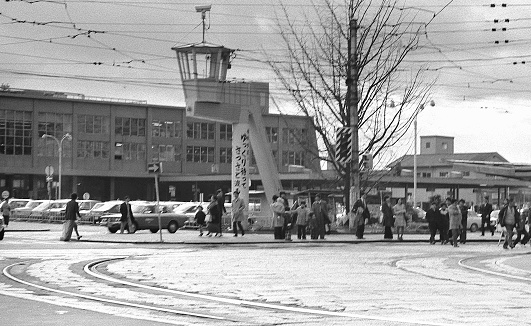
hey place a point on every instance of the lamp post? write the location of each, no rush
(421, 107)
(60, 146)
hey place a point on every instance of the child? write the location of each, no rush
(200, 219)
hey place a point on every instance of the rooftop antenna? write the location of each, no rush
(203, 9)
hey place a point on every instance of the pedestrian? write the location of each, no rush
(507, 218)
(220, 196)
(359, 220)
(434, 218)
(71, 213)
(277, 207)
(127, 218)
(286, 229)
(388, 219)
(520, 229)
(454, 214)
(215, 217)
(238, 208)
(200, 219)
(464, 220)
(399, 211)
(318, 222)
(303, 217)
(445, 223)
(486, 209)
(6, 210)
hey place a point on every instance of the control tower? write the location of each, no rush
(208, 95)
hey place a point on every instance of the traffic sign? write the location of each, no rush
(155, 167)
(5, 194)
(49, 179)
(48, 170)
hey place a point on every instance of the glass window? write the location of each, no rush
(225, 132)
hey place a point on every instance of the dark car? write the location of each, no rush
(146, 218)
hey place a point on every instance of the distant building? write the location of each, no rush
(436, 174)
(113, 140)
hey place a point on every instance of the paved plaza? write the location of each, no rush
(255, 280)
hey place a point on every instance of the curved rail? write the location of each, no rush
(90, 269)
(99, 299)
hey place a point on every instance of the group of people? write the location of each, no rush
(315, 218)
(212, 218)
(450, 220)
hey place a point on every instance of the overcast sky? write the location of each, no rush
(122, 49)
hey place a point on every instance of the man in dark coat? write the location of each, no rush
(464, 220)
(220, 198)
(388, 221)
(435, 222)
(127, 218)
(360, 230)
(485, 209)
(71, 214)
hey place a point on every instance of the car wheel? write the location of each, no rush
(154, 230)
(113, 229)
(2, 234)
(473, 227)
(172, 227)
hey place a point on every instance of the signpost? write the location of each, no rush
(156, 168)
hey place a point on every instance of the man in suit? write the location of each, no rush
(127, 218)
(485, 210)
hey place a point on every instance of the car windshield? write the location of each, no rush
(43, 206)
(33, 204)
(108, 207)
(186, 208)
(58, 205)
(85, 205)
(143, 208)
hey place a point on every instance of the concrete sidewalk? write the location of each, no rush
(92, 233)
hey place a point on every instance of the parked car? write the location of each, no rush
(98, 213)
(17, 203)
(24, 212)
(40, 212)
(58, 209)
(473, 221)
(146, 218)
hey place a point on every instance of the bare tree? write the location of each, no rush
(313, 70)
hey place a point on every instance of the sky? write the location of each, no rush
(122, 49)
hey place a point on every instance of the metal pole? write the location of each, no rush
(415, 164)
(353, 109)
(60, 163)
(158, 203)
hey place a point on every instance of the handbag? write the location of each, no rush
(208, 218)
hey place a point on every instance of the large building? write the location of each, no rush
(113, 141)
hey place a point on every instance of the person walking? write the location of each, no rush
(434, 218)
(6, 210)
(200, 219)
(445, 223)
(486, 209)
(303, 217)
(454, 214)
(399, 211)
(127, 218)
(286, 229)
(464, 221)
(520, 230)
(361, 213)
(318, 230)
(71, 213)
(215, 217)
(238, 207)
(388, 219)
(277, 207)
(220, 197)
(507, 218)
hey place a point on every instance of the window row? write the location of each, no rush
(129, 151)
(92, 149)
(166, 129)
(93, 124)
(15, 132)
(130, 126)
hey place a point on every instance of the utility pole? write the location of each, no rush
(352, 114)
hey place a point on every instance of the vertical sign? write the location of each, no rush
(241, 146)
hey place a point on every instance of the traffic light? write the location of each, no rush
(343, 150)
(366, 161)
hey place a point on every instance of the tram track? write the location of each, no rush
(287, 313)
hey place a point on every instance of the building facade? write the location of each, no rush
(114, 140)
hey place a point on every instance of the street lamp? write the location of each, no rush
(420, 108)
(60, 146)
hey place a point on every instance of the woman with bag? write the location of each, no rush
(400, 218)
(215, 217)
